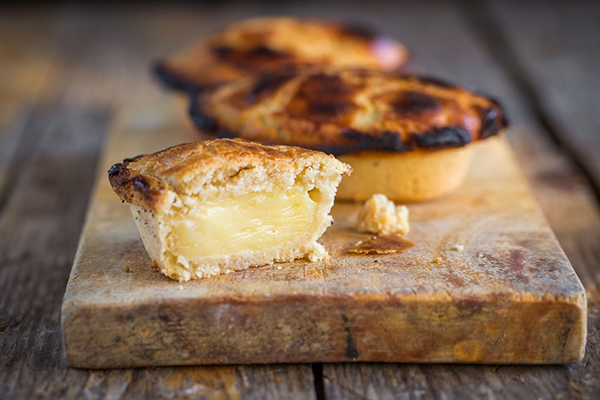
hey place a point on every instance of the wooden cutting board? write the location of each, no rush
(510, 296)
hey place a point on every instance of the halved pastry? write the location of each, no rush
(406, 137)
(266, 44)
(212, 207)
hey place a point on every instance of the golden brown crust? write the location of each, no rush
(348, 110)
(266, 44)
(135, 188)
(145, 180)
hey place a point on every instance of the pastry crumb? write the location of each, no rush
(457, 247)
(380, 215)
(318, 254)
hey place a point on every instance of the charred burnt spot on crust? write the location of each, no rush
(323, 98)
(321, 84)
(268, 53)
(222, 52)
(490, 124)
(493, 119)
(441, 138)
(115, 170)
(329, 110)
(386, 141)
(141, 185)
(266, 85)
(203, 121)
(118, 174)
(359, 30)
(357, 141)
(436, 81)
(390, 141)
(414, 103)
(254, 58)
(132, 159)
(232, 54)
(502, 118)
(173, 80)
(121, 178)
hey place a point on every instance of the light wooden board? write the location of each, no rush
(510, 296)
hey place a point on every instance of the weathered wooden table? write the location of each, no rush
(67, 72)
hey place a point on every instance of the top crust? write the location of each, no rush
(267, 44)
(205, 168)
(347, 110)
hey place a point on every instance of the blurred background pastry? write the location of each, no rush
(405, 136)
(271, 43)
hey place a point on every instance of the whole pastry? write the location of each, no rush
(267, 44)
(407, 137)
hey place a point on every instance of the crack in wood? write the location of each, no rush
(351, 350)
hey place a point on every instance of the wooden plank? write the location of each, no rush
(10, 135)
(224, 382)
(30, 37)
(350, 307)
(554, 50)
(25, 61)
(39, 226)
(103, 61)
(442, 44)
(558, 188)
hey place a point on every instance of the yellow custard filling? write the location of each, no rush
(257, 221)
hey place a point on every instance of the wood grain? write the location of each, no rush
(95, 60)
(555, 53)
(451, 49)
(27, 58)
(109, 69)
(25, 62)
(39, 226)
